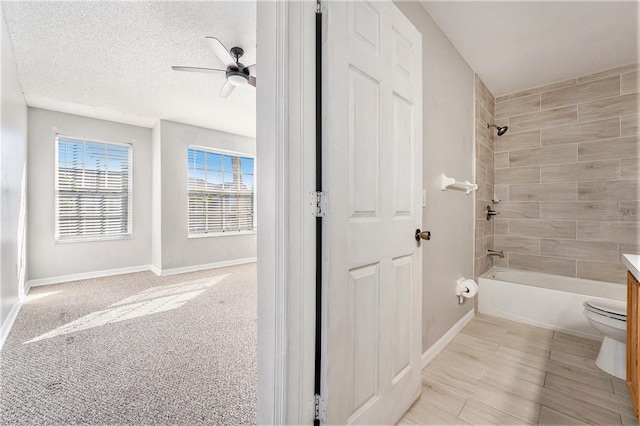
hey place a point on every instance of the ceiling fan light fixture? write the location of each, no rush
(237, 80)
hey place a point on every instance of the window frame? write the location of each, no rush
(224, 152)
(92, 238)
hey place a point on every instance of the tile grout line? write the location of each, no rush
(466, 401)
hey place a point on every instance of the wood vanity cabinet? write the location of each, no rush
(633, 340)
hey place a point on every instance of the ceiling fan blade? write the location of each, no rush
(252, 80)
(226, 89)
(222, 52)
(196, 69)
(252, 70)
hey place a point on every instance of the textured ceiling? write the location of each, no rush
(517, 45)
(112, 59)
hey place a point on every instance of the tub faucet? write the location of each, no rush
(498, 253)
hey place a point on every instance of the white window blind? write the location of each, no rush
(93, 189)
(221, 192)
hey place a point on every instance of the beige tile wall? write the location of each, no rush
(568, 174)
(484, 176)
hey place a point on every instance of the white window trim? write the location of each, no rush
(92, 238)
(254, 228)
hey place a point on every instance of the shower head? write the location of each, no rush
(501, 130)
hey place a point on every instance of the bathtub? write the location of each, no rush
(549, 301)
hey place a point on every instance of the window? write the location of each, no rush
(221, 189)
(93, 189)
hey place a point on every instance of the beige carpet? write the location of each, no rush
(135, 349)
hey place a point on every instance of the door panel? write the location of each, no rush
(402, 327)
(372, 109)
(365, 26)
(403, 150)
(365, 327)
(364, 145)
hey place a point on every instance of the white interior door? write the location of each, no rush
(372, 139)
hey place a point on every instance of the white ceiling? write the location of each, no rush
(517, 45)
(112, 59)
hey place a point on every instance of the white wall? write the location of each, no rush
(179, 251)
(448, 147)
(49, 259)
(13, 156)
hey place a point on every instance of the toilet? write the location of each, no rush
(610, 318)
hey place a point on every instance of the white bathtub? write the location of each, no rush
(550, 301)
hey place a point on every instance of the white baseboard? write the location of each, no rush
(8, 323)
(437, 347)
(141, 268)
(155, 270)
(194, 268)
(86, 275)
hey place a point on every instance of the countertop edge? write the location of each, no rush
(632, 262)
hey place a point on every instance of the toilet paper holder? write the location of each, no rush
(465, 289)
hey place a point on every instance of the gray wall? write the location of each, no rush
(13, 156)
(448, 123)
(178, 251)
(160, 200)
(156, 199)
(48, 258)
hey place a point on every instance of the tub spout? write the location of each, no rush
(498, 253)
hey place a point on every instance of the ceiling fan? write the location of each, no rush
(237, 73)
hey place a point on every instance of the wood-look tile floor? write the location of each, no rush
(500, 372)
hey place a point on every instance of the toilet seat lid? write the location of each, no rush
(612, 308)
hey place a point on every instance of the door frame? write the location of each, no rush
(286, 238)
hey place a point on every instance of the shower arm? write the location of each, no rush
(501, 130)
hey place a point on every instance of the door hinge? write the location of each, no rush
(319, 203)
(321, 409)
(318, 7)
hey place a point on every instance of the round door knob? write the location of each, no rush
(426, 235)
